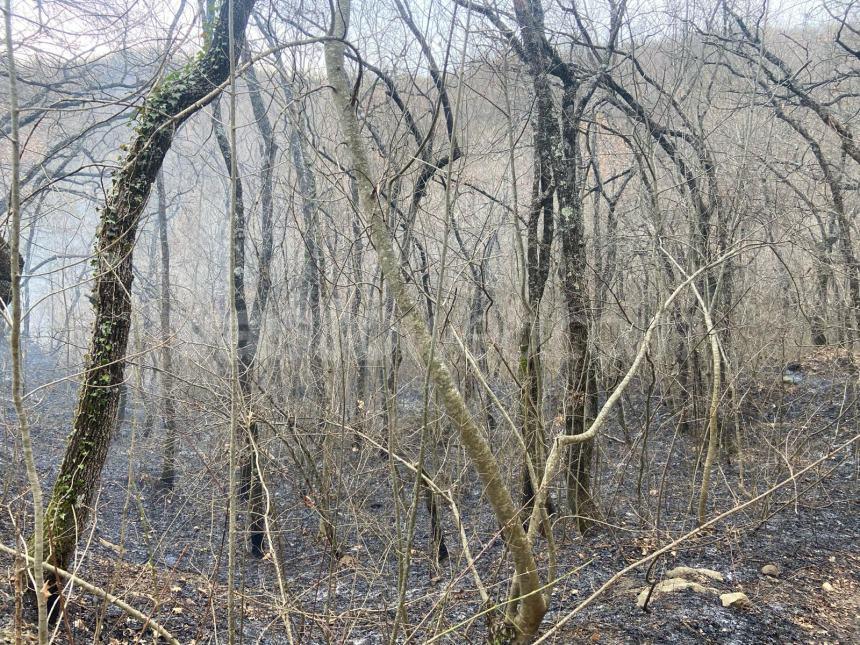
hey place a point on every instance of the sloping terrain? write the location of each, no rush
(166, 554)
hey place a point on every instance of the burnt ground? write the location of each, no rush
(165, 554)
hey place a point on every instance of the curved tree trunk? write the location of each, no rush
(532, 605)
(176, 98)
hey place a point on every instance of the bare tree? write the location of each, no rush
(171, 103)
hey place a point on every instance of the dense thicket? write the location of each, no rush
(536, 274)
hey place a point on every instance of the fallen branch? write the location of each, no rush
(101, 593)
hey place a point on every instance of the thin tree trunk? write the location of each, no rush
(360, 337)
(246, 345)
(238, 406)
(818, 323)
(538, 249)
(168, 468)
(256, 501)
(532, 605)
(15, 341)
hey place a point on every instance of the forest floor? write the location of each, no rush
(165, 554)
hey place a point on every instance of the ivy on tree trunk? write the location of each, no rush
(179, 95)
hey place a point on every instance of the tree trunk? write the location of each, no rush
(538, 249)
(13, 266)
(253, 474)
(532, 605)
(6, 273)
(818, 322)
(168, 468)
(247, 340)
(557, 151)
(177, 97)
(582, 369)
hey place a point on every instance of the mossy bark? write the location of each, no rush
(178, 96)
(6, 272)
(557, 151)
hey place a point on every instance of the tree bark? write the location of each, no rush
(582, 367)
(269, 149)
(538, 248)
(168, 468)
(532, 605)
(171, 102)
(6, 272)
(557, 152)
